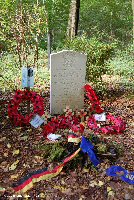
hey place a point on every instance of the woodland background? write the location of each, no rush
(31, 29)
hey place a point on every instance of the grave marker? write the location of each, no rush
(27, 77)
(68, 71)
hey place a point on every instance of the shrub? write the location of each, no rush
(123, 65)
(97, 54)
(10, 71)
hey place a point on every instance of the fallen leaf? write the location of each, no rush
(82, 197)
(67, 191)
(14, 165)
(62, 181)
(2, 189)
(111, 193)
(16, 152)
(14, 176)
(3, 164)
(24, 137)
(42, 195)
(61, 188)
(93, 183)
(131, 187)
(85, 170)
(9, 145)
(84, 187)
(18, 128)
(109, 189)
(132, 136)
(38, 159)
(5, 154)
(100, 183)
(2, 139)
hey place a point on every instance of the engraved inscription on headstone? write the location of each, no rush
(68, 71)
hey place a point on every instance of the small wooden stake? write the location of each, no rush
(28, 103)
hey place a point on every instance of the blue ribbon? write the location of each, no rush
(127, 177)
(87, 147)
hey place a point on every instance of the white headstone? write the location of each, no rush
(68, 71)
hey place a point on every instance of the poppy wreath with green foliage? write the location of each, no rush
(117, 127)
(20, 96)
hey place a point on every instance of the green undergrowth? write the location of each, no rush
(103, 59)
(122, 65)
(57, 152)
(11, 74)
(98, 53)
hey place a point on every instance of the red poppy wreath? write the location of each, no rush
(63, 122)
(20, 96)
(118, 124)
(94, 100)
(117, 128)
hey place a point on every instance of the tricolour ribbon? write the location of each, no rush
(27, 182)
(74, 138)
(87, 147)
(124, 175)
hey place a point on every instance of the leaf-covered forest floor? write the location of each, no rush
(73, 183)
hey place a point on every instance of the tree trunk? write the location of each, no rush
(49, 38)
(73, 19)
(133, 18)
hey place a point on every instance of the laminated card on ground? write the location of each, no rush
(36, 121)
